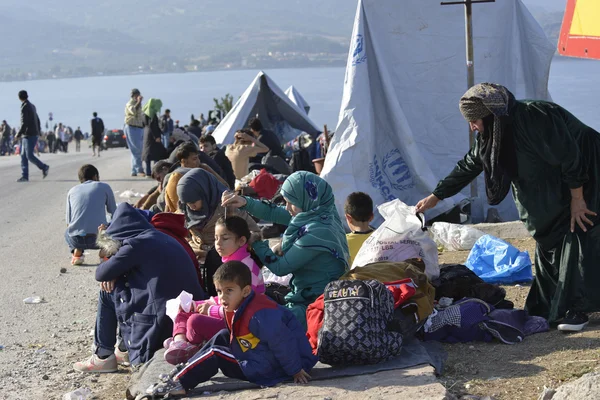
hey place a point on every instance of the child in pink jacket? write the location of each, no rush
(192, 329)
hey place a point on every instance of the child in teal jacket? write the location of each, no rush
(314, 246)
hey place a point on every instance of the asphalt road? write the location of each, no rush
(39, 342)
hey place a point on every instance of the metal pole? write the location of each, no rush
(470, 74)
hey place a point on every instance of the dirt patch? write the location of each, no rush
(520, 371)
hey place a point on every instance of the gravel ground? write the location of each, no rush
(41, 341)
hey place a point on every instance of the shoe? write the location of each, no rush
(179, 352)
(95, 364)
(166, 388)
(167, 343)
(141, 174)
(122, 357)
(573, 322)
(45, 171)
(133, 174)
(77, 260)
(22, 179)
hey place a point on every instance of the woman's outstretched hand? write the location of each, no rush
(229, 199)
(427, 203)
(579, 213)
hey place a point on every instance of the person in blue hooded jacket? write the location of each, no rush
(264, 343)
(143, 268)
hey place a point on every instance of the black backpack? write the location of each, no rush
(355, 324)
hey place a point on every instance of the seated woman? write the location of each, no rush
(314, 244)
(199, 193)
(143, 269)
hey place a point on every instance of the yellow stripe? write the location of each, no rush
(586, 19)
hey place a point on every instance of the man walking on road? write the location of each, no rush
(29, 132)
(97, 132)
(5, 133)
(78, 136)
(134, 131)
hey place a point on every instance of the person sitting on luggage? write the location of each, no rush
(359, 214)
(264, 343)
(314, 246)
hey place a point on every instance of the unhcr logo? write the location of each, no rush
(390, 175)
(358, 55)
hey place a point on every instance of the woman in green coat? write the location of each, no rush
(314, 246)
(552, 162)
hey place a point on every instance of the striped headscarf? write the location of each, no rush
(491, 100)
(318, 226)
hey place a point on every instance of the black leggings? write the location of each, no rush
(211, 263)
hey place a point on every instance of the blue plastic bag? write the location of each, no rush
(496, 261)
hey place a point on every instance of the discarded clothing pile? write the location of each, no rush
(475, 320)
(456, 281)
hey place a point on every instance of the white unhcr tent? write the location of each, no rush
(400, 130)
(274, 109)
(294, 95)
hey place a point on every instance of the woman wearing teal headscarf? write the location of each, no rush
(153, 149)
(314, 246)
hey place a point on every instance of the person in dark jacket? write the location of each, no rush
(208, 145)
(195, 129)
(97, 133)
(264, 343)
(29, 132)
(6, 136)
(166, 124)
(153, 148)
(266, 137)
(552, 162)
(78, 136)
(143, 268)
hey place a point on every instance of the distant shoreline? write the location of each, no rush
(340, 65)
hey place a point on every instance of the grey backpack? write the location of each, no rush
(355, 324)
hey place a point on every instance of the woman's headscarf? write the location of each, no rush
(152, 107)
(197, 184)
(495, 101)
(318, 226)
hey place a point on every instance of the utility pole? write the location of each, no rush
(476, 205)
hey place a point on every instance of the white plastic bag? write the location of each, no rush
(400, 237)
(185, 300)
(455, 237)
(270, 277)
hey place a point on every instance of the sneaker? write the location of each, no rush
(166, 388)
(179, 352)
(77, 260)
(122, 357)
(45, 171)
(95, 364)
(573, 322)
(167, 343)
(141, 174)
(22, 179)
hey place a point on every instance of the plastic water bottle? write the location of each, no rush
(79, 394)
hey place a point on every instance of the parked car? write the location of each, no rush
(114, 138)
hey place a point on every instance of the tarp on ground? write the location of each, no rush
(276, 111)
(294, 95)
(400, 129)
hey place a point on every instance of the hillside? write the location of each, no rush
(74, 38)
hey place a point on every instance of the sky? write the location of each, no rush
(550, 5)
